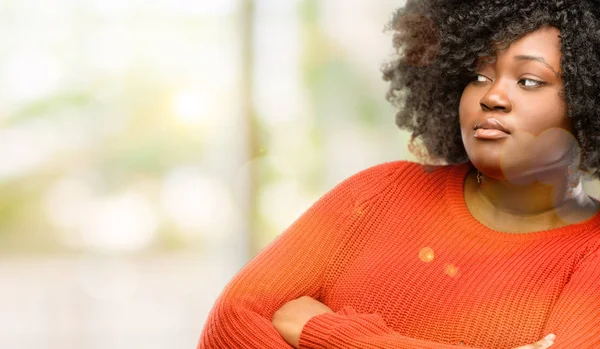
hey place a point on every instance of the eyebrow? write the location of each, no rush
(537, 59)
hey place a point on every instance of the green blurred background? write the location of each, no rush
(148, 149)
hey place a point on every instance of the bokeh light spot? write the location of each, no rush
(451, 270)
(426, 254)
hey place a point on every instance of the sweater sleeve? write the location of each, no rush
(575, 318)
(349, 329)
(293, 265)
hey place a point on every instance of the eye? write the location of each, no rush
(478, 78)
(531, 83)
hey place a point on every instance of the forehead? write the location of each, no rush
(544, 42)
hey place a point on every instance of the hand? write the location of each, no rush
(541, 344)
(293, 315)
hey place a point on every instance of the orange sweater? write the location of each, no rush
(394, 251)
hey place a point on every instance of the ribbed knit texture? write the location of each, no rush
(395, 252)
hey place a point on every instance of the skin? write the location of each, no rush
(293, 315)
(524, 187)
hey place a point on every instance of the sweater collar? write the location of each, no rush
(454, 195)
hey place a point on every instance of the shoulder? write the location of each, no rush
(592, 249)
(383, 174)
(396, 175)
(388, 169)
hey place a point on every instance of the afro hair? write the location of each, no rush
(439, 42)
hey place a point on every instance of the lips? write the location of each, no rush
(490, 129)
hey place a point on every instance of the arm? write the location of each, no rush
(293, 316)
(575, 318)
(293, 265)
(349, 329)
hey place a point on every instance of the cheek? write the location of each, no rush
(469, 103)
(467, 110)
(537, 116)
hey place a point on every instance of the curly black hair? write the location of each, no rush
(438, 44)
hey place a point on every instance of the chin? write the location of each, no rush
(501, 160)
(488, 161)
(489, 168)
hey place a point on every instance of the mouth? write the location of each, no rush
(490, 129)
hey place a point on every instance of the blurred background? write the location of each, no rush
(150, 148)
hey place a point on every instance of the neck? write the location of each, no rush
(532, 199)
(505, 206)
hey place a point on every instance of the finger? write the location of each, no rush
(547, 341)
(541, 344)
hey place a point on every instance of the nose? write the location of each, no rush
(496, 98)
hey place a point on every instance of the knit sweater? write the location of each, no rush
(397, 255)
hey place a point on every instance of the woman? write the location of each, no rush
(497, 249)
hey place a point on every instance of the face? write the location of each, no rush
(513, 120)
